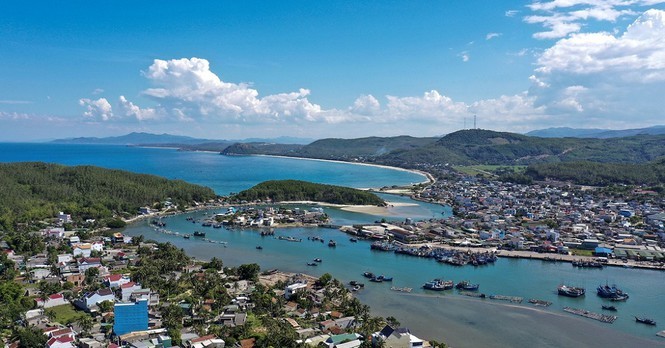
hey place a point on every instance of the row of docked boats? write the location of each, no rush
(377, 278)
(450, 256)
(587, 264)
(441, 284)
(605, 291)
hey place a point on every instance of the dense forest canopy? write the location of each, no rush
(295, 190)
(600, 174)
(33, 191)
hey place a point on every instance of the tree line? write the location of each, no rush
(296, 190)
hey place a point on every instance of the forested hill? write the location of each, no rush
(295, 190)
(32, 191)
(469, 147)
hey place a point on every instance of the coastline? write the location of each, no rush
(429, 177)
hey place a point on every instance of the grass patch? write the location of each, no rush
(489, 170)
(65, 314)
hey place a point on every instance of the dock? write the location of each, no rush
(603, 318)
(472, 294)
(514, 299)
(541, 303)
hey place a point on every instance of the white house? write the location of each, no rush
(116, 280)
(88, 262)
(65, 218)
(65, 258)
(397, 338)
(91, 299)
(293, 289)
(82, 249)
(97, 246)
(52, 301)
(127, 289)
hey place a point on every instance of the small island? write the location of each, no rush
(296, 190)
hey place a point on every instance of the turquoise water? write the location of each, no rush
(461, 321)
(224, 174)
(524, 278)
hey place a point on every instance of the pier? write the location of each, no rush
(514, 299)
(603, 318)
(540, 303)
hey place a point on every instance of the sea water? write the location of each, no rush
(460, 321)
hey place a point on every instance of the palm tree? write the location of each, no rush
(85, 323)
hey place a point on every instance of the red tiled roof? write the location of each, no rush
(127, 285)
(55, 297)
(63, 339)
(114, 277)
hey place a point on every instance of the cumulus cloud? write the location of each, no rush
(97, 110)
(366, 105)
(639, 53)
(563, 17)
(188, 88)
(601, 76)
(128, 109)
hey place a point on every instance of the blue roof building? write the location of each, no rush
(130, 317)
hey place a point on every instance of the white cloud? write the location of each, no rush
(128, 109)
(490, 36)
(561, 18)
(464, 55)
(97, 91)
(187, 88)
(612, 78)
(638, 54)
(366, 105)
(97, 110)
(511, 13)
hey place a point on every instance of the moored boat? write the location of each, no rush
(368, 275)
(332, 243)
(611, 292)
(312, 264)
(466, 285)
(318, 260)
(645, 320)
(609, 308)
(353, 240)
(187, 236)
(199, 234)
(570, 291)
(438, 285)
(258, 247)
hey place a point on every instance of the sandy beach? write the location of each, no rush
(429, 179)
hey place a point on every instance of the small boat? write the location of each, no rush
(318, 260)
(312, 264)
(376, 280)
(199, 234)
(187, 236)
(258, 247)
(332, 243)
(466, 285)
(609, 308)
(368, 275)
(570, 291)
(384, 278)
(353, 240)
(645, 320)
(439, 285)
(356, 288)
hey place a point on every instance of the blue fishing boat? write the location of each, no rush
(611, 292)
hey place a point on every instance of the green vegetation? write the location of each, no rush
(295, 190)
(65, 314)
(471, 147)
(490, 170)
(600, 174)
(34, 191)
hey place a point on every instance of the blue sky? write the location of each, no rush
(228, 70)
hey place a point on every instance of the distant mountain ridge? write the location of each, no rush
(565, 132)
(143, 138)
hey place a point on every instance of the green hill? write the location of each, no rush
(296, 190)
(32, 191)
